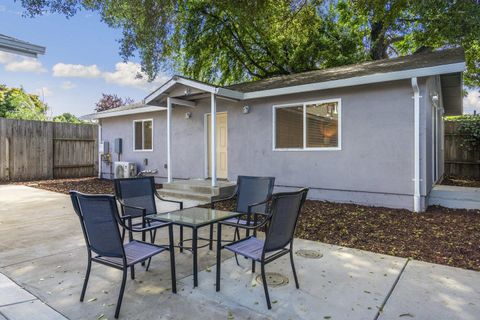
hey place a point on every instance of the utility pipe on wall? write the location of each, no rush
(416, 179)
(100, 163)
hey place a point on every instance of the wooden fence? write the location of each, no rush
(459, 161)
(35, 150)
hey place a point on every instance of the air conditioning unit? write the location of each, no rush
(125, 169)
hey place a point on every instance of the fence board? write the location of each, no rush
(34, 150)
(459, 161)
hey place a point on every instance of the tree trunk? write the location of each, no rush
(378, 49)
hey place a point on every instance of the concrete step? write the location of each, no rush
(201, 187)
(185, 194)
(455, 197)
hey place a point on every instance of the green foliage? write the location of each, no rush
(224, 41)
(15, 103)
(111, 101)
(67, 117)
(469, 127)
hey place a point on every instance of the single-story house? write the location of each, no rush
(370, 133)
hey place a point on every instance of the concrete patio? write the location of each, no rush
(43, 259)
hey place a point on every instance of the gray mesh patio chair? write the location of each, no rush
(100, 220)
(252, 194)
(137, 200)
(281, 221)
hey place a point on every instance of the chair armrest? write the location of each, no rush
(216, 199)
(180, 203)
(123, 204)
(242, 226)
(250, 206)
(127, 217)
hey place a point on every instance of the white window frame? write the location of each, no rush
(304, 104)
(143, 135)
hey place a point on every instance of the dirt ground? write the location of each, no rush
(461, 182)
(440, 235)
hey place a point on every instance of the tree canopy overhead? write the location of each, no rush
(224, 41)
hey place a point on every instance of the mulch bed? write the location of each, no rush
(86, 185)
(440, 235)
(461, 182)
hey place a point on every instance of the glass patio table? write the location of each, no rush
(195, 218)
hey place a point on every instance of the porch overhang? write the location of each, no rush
(183, 89)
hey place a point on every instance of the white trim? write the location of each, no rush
(193, 84)
(110, 114)
(182, 102)
(169, 140)
(143, 135)
(416, 161)
(213, 132)
(99, 153)
(349, 82)
(303, 104)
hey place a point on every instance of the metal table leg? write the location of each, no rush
(194, 251)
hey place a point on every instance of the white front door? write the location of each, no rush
(222, 145)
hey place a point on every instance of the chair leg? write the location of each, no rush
(85, 282)
(181, 238)
(264, 280)
(219, 256)
(236, 235)
(132, 272)
(120, 295)
(253, 266)
(293, 269)
(210, 244)
(153, 235)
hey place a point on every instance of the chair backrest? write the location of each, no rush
(137, 192)
(285, 209)
(99, 220)
(251, 190)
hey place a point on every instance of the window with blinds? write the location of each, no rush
(307, 126)
(143, 135)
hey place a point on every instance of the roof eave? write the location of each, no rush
(111, 114)
(354, 81)
(20, 47)
(193, 84)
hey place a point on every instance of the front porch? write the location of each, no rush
(202, 99)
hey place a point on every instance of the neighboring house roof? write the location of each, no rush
(122, 111)
(411, 62)
(13, 45)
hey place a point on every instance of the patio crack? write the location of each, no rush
(380, 310)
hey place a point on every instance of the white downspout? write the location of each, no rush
(416, 179)
(99, 153)
(169, 140)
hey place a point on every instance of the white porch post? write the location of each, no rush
(169, 139)
(213, 134)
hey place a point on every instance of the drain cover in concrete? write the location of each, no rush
(274, 279)
(309, 254)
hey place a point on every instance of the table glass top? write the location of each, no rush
(194, 216)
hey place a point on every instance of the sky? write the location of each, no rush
(81, 62)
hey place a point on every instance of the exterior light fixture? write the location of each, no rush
(246, 109)
(188, 115)
(188, 91)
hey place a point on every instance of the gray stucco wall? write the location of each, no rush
(374, 167)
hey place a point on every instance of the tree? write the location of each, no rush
(224, 41)
(111, 101)
(67, 117)
(15, 103)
